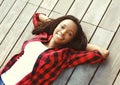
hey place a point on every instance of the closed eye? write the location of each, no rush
(70, 33)
(62, 27)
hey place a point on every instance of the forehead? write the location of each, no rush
(69, 23)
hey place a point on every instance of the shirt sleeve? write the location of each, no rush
(82, 57)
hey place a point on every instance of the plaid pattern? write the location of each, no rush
(52, 62)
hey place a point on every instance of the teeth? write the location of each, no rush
(59, 35)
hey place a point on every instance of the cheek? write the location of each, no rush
(56, 30)
(68, 39)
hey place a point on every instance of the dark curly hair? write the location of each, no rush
(78, 43)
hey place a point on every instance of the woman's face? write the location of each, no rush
(64, 32)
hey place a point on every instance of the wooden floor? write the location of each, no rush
(100, 20)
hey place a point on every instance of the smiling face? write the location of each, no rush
(64, 32)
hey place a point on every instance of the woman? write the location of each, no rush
(58, 44)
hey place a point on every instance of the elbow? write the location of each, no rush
(105, 54)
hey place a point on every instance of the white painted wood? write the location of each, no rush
(49, 4)
(63, 78)
(42, 10)
(10, 19)
(112, 17)
(79, 8)
(96, 11)
(1, 1)
(82, 75)
(5, 7)
(117, 82)
(55, 15)
(108, 71)
(35, 2)
(63, 6)
(88, 29)
(102, 36)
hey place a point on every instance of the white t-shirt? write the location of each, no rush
(25, 64)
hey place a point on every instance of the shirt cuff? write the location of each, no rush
(98, 58)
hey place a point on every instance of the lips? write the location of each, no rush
(59, 35)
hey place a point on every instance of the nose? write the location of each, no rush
(63, 31)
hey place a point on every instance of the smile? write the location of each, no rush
(59, 35)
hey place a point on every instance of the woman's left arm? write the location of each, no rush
(82, 57)
(104, 52)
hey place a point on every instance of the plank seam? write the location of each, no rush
(7, 34)
(8, 11)
(1, 2)
(70, 7)
(86, 10)
(91, 38)
(97, 26)
(116, 77)
(13, 23)
(53, 8)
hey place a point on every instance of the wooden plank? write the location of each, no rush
(42, 10)
(11, 18)
(79, 8)
(117, 82)
(25, 36)
(16, 31)
(4, 8)
(82, 75)
(35, 2)
(112, 17)
(55, 15)
(63, 77)
(102, 36)
(88, 29)
(1, 1)
(63, 6)
(96, 11)
(49, 4)
(108, 71)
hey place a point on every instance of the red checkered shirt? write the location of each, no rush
(52, 62)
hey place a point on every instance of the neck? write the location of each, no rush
(52, 44)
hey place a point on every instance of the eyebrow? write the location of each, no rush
(65, 26)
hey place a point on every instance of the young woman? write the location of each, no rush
(58, 44)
